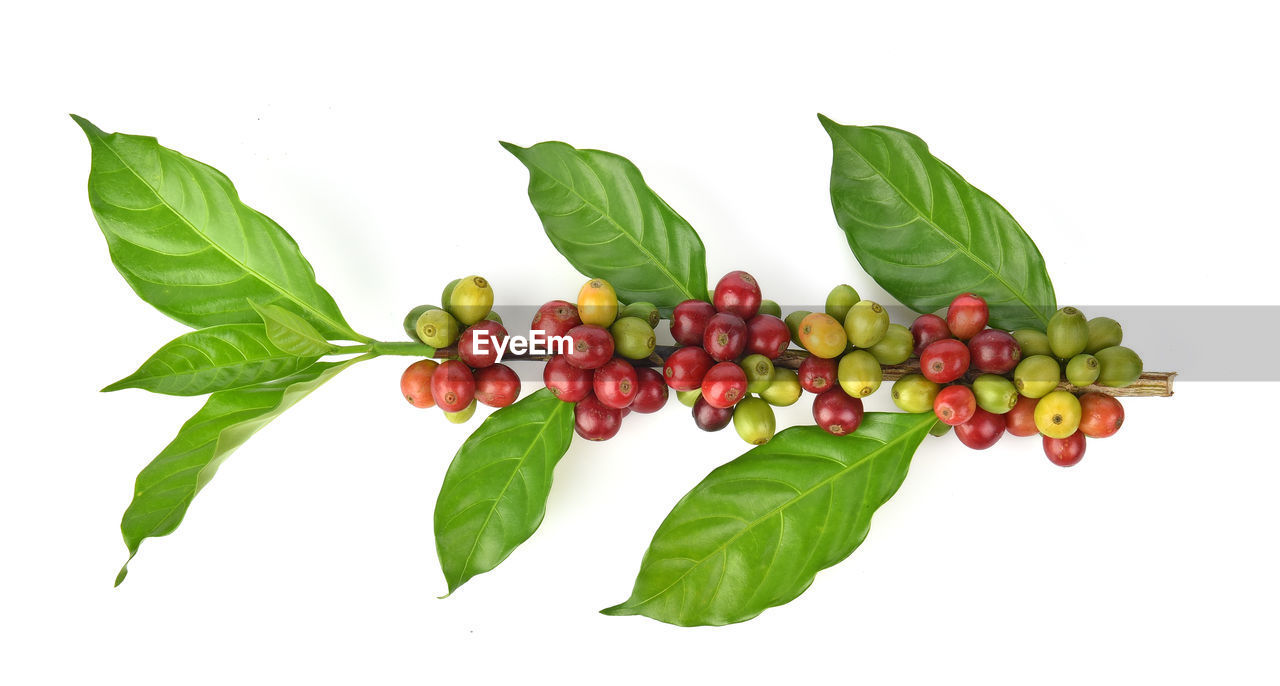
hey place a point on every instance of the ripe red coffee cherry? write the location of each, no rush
(615, 383)
(982, 430)
(689, 321)
(555, 318)
(837, 412)
(415, 383)
(944, 361)
(994, 351)
(651, 391)
(725, 337)
(767, 335)
(738, 293)
(926, 329)
(592, 346)
(497, 386)
(686, 367)
(818, 374)
(478, 345)
(453, 386)
(595, 421)
(1100, 415)
(1021, 420)
(955, 405)
(1065, 452)
(724, 385)
(967, 315)
(708, 417)
(567, 382)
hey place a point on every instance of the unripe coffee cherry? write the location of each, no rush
(555, 318)
(859, 373)
(497, 386)
(411, 321)
(597, 303)
(926, 329)
(567, 382)
(461, 416)
(689, 321)
(1118, 366)
(615, 383)
(737, 293)
(818, 374)
(967, 315)
(1032, 342)
(955, 405)
(725, 337)
(1021, 420)
(453, 386)
(759, 371)
(1104, 332)
(895, 347)
(793, 324)
(415, 383)
(837, 412)
(770, 308)
(914, 393)
(493, 317)
(471, 351)
(447, 293)
(595, 421)
(1058, 414)
(753, 419)
(724, 385)
(633, 338)
(823, 336)
(688, 398)
(865, 324)
(644, 311)
(994, 351)
(1068, 333)
(1082, 369)
(944, 361)
(1065, 452)
(1037, 375)
(686, 367)
(840, 300)
(470, 300)
(767, 335)
(784, 389)
(1100, 415)
(995, 393)
(982, 431)
(592, 346)
(437, 328)
(651, 391)
(709, 417)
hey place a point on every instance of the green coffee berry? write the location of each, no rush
(895, 347)
(688, 398)
(1104, 332)
(448, 292)
(793, 324)
(759, 371)
(1082, 369)
(493, 317)
(770, 307)
(1068, 333)
(461, 416)
(437, 328)
(859, 373)
(840, 300)
(1118, 366)
(470, 300)
(866, 324)
(753, 420)
(784, 390)
(994, 393)
(632, 338)
(940, 429)
(1057, 415)
(914, 393)
(642, 310)
(411, 320)
(1032, 342)
(1037, 375)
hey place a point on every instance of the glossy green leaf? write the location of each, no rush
(925, 235)
(755, 531)
(165, 487)
(182, 239)
(291, 333)
(214, 359)
(600, 214)
(495, 492)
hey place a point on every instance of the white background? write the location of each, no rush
(1137, 145)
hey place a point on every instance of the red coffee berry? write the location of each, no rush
(686, 367)
(967, 315)
(415, 383)
(453, 386)
(497, 386)
(555, 318)
(1100, 415)
(478, 345)
(592, 346)
(926, 329)
(817, 374)
(567, 382)
(982, 430)
(944, 361)
(837, 412)
(689, 321)
(994, 351)
(595, 421)
(1021, 420)
(651, 391)
(725, 337)
(737, 293)
(1065, 452)
(767, 335)
(709, 417)
(955, 405)
(615, 383)
(724, 385)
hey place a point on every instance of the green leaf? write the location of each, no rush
(601, 216)
(754, 533)
(166, 486)
(291, 333)
(925, 235)
(182, 239)
(495, 492)
(214, 359)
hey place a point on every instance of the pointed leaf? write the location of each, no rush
(291, 333)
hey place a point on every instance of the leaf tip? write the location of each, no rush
(86, 125)
(619, 610)
(124, 571)
(827, 122)
(511, 148)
